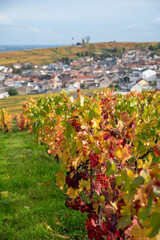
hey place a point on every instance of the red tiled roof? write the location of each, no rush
(84, 77)
(9, 79)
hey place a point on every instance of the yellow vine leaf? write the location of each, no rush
(145, 174)
(141, 234)
(64, 158)
(130, 173)
(84, 183)
(59, 152)
(139, 163)
(60, 179)
(96, 123)
(123, 154)
(4, 193)
(73, 193)
(75, 112)
(77, 160)
(114, 205)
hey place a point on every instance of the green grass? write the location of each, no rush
(31, 205)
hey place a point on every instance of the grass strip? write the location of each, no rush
(31, 205)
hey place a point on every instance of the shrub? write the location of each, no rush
(13, 92)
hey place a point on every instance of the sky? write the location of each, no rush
(54, 22)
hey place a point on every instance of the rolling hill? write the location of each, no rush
(50, 55)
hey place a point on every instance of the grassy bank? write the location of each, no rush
(31, 205)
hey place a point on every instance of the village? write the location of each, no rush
(135, 70)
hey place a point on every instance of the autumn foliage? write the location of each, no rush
(5, 121)
(108, 146)
(23, 122)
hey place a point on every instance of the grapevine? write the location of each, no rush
(5, 121)
(109, 150)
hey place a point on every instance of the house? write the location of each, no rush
(114, 77)
(2, 68)
(43, 67)
(32, 92)
(79, 44)
(48, 85)
(17, 65)
(134, 76)
(156, 57)
(2, 77)
(26, 72)
(3, 94)
(22, 90)
(7, 70)
(88, 59)
(111, 61)
(83, 79)
(101, 70)
(158, 83)
(57, 82)
(17, 84)
(9, 82)
(105, 82)
(141, 85)
(91, 84)
(148, 74)
(73, 86)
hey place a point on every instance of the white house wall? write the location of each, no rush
(149, 75)
(3, 95)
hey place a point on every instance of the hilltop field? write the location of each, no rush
(50, 55)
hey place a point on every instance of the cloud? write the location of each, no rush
(38, 31)
(19, 29)
(158, 20)
(143, 27)
(34, 29)
(135, 26)
(4, 20)
(47, 31)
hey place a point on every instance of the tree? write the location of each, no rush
(12, 92)
(82, 85)
(83, 41)
(87, 39)
(19, 70)
(151, 48)
(82, 54)
(126, 79)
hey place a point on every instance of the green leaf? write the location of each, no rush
(91, 114)
(124, 222)
(128, 198)
(73, 149)
(155, 224)
(137, 182)
(149, 207)
(68, 132)
(119, 180)
(145, 212)
(47, 108)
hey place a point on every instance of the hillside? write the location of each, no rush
(50, 55)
